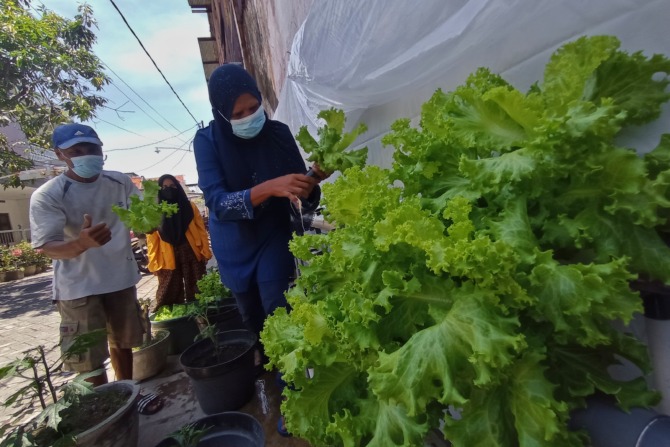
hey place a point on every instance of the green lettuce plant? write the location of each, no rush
(169, 312)
(476, 282)
(330, 152)
(211, 290)
(145, 213)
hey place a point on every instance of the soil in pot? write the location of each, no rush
(223, 377)
(90, 411)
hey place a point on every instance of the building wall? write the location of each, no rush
(258, 34)
(284, 19)
(18, 210)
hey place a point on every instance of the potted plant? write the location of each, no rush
(149, 359)
(473, 286)
(74, 413)
(179, 321)
(215, 304)
(218, 430)
(26, 257)
(42, 260)
(13, 273)
(221, 368)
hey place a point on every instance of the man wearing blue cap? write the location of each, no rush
(95, 272)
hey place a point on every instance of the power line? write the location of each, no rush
(149, 144)
(139, 96)
(177, 164)
(131, 100)
(138, 106)
(119, 127)
(152, 60)
(159, 162)
(168, 156)
(190, 147)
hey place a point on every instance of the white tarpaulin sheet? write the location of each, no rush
(379, 60)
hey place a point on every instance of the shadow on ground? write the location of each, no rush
(28, 295)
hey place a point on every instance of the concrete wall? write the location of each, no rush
(258, 33)
(18, 212)
(284, 18)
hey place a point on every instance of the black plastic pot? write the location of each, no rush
(225, 384)
(225, 316)
(608, 425)
(231, 429)
(183, 331)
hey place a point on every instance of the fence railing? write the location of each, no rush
(11, 237)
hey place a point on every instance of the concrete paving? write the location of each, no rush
(28, 319)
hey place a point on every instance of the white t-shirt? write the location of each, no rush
(57, 211)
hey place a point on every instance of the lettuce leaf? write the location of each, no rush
(330, 151)
(475, 281)
(146, 213)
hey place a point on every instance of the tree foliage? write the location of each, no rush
(49, 74)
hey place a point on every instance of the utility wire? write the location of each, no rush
(132, 90)
(152, 60)
(119, 127)
(157, 163)
(170, 155)
(139, 96)
(149, 144)
(190, 145)
(182, 157)
(138, 106)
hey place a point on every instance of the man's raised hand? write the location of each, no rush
(94, 235)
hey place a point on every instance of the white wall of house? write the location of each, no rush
(18, 212)
(15, 202)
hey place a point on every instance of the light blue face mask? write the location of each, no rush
(87, 166)
(249, 126)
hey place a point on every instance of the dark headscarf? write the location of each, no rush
(226, 84)
(248, 162)
(173, 228)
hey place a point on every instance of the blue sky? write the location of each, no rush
(169, 31)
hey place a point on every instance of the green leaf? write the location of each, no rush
(330, 152)
(483, 271)
(145, 214)
(51, 414)
(570, 74)
(50, 74)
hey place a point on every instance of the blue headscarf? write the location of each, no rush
(248, 162)
(226, 84)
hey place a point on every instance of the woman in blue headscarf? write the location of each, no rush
(253, 178)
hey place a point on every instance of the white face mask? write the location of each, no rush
(87, 166)
(249, 126)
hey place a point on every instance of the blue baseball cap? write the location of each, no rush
(67, 135)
